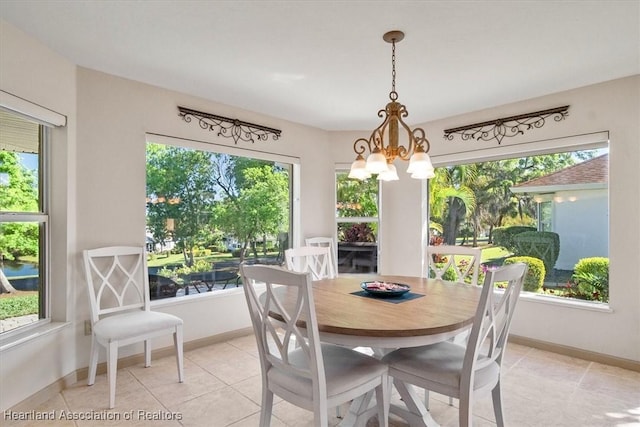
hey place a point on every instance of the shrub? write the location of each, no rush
(359, 233)
(236, 253)
(449, 274)
(503, 236)
(535, 274)
(18, 305)
(544, 245)
(592, 278)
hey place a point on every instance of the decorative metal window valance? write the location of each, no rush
(230, 128)
(506, 126)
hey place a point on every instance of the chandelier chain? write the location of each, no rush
(393, 95)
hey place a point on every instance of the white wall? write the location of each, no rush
(114, 115)
(582, 222)
(99, 191)
(33, 72)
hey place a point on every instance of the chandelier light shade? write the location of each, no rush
(383, 145)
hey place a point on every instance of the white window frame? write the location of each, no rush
(587, 141)
(344, 168)
(46, 119)
(242, 152)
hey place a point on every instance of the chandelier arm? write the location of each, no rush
(360, 146)
(421, 140)
(405, 152)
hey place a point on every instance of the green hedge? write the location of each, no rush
(591, 275)
(503, 236)
(535, 274)
(544, 245)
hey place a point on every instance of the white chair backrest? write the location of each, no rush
(117, 279)
(464, 261)
(333, 256)
(312, 259)
(275, 337)
(491, 324)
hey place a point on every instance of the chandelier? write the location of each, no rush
(383, 144)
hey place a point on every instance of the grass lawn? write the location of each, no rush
(19, 303)
(161, 260)
(493, 254)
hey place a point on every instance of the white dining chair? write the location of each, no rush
(333, 256)
(463, 261)
(118, 287)
(464, 371)
(312, 375)
(313, 259)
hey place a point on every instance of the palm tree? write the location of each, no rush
(451, 200)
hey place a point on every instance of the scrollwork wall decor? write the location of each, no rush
(506, 126)
(230, 128)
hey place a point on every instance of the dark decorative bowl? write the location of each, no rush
(385, 289)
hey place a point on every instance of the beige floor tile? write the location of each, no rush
(613, 370)
(218, 408)
(161, 371)
(513, 354)
(51, 411)
(254, 421)
(540, 389)
(554, 366)
(591, 408)
(294, 416)
(625, 388)
(252, 388)
(232, 371)
(532, 384)
(246, 343)
(219, 352)
(82, 397)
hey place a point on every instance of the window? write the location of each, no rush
(561, 196)
(23, 222)
(208, 211)
(357, 223)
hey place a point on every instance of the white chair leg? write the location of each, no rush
(177, 342)
(450, 401)
(496, 396)
(426, 399)
(147, 353)
(464, 411)
(267, 407)
(93, 361)
(112, 370)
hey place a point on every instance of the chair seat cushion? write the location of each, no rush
(132, 324)
(344, 369)
(438, 363)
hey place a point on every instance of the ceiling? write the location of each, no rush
(324, 63)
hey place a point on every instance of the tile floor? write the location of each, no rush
(222, 388)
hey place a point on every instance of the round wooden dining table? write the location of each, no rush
(432, 311)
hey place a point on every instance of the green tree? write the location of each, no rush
(259, 207)
(356, 198)
(451, 200)
(180, 191)
(18, 193)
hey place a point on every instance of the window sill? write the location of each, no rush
(189, 299)
(30, 333)
(566, 302)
